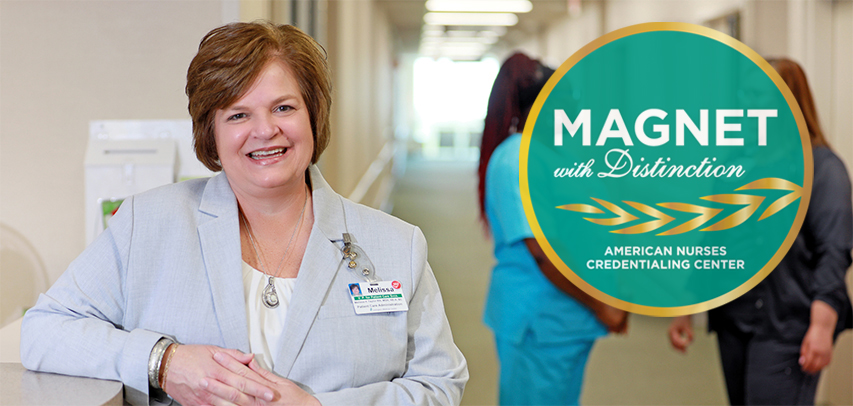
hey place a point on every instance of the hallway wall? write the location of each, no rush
(361, 55)
(63, 64)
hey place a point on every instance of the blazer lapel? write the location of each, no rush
(219, 235)
(320, 263)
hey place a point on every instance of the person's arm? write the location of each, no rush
(435, 372)
(816, 349)
(78, 327)
(829, 224)
(615, 319)
(503, 197)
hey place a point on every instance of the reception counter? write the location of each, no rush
(23, 387)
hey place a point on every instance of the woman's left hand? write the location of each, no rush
(816, 350)
(285, 392)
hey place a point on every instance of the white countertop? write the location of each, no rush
(18, 386)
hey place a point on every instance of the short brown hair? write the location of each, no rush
(228, 61)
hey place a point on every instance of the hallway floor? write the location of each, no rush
(637, 369)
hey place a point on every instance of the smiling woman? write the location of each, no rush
(236, 289)
(228, 62)
(264, 139)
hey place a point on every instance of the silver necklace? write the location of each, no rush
(270, 296)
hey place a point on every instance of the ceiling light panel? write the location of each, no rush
(467, 19)
(480, 6)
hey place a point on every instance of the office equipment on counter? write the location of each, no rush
(116, 169)
(130, 156)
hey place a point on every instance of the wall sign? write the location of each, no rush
(665, 168)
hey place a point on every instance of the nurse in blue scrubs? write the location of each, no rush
(544, 326)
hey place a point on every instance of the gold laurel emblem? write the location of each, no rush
(750, 203)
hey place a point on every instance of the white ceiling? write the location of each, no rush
(407, 18)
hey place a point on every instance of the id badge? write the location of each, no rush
(377, 297)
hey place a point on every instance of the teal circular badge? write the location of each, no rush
(665, 168)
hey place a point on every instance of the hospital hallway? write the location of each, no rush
(411, 82)
(637, 369)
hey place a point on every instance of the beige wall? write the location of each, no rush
(63, 64)
(835, 107)
(361, 57)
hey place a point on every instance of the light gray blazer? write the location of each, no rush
(169, 264)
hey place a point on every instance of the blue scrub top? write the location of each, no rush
(521, 299)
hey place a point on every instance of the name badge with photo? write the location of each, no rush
(377, 297)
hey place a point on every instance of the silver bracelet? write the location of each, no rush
(155, 359)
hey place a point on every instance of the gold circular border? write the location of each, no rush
(808, 171)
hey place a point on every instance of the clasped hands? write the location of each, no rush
(210, 375)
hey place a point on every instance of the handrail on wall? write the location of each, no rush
(373, 171)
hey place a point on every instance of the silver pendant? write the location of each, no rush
(270, 297)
